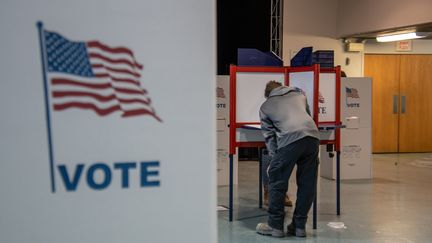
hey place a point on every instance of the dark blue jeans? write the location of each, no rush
(304, 153)
(265, 158)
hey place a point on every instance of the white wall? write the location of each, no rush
(418, 47)
(314, 23)
(356, 16)
(310, 17)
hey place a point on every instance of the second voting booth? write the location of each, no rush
(247, 84)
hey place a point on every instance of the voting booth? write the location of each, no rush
(247, 85)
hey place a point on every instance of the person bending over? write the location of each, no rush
(291, 137)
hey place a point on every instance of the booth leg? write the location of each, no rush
(315, 207)
(260, 183)
(231, 168)
(338, 183)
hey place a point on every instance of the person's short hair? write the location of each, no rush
(270, 86)
(343, 74)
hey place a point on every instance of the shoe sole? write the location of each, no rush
(264, 229)
(271, 234)
(278, 234)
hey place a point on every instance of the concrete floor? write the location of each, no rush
(395, 206)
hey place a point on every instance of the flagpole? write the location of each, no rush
(47, 107)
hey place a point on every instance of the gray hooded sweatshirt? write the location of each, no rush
(285, 118)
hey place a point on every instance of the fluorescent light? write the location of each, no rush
(404, 36)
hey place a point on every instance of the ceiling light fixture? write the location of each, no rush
(404, 36)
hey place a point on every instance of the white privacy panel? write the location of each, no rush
(327, 97)
(250, 94)
(304, 81)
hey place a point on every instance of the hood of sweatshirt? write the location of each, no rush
(282, 90)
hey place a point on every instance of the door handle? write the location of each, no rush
(403, 104)
(395, 103)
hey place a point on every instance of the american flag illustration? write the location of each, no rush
(351, 92)
(220, 92)
(94, 76)
(320, 98)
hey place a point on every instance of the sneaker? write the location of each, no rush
(265, 229)
(292, 230)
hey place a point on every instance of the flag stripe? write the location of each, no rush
(102, 92)
(114, 56)
(141, 112)
(60, 81)
(60, 94)
(130, 91)
(145, 102)
(97, 44)
(99, 111)
(116, 70)
(97, 103)
(125, 80)
(102, 98)
(99, 56)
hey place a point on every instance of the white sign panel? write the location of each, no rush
(222, 106)
(327, 97)
(356, 100)
(105, 117)
(250, 94)
(356, 138)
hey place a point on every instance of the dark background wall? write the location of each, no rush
(241, 24)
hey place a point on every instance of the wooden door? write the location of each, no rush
(384, 69)
(415, 122)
